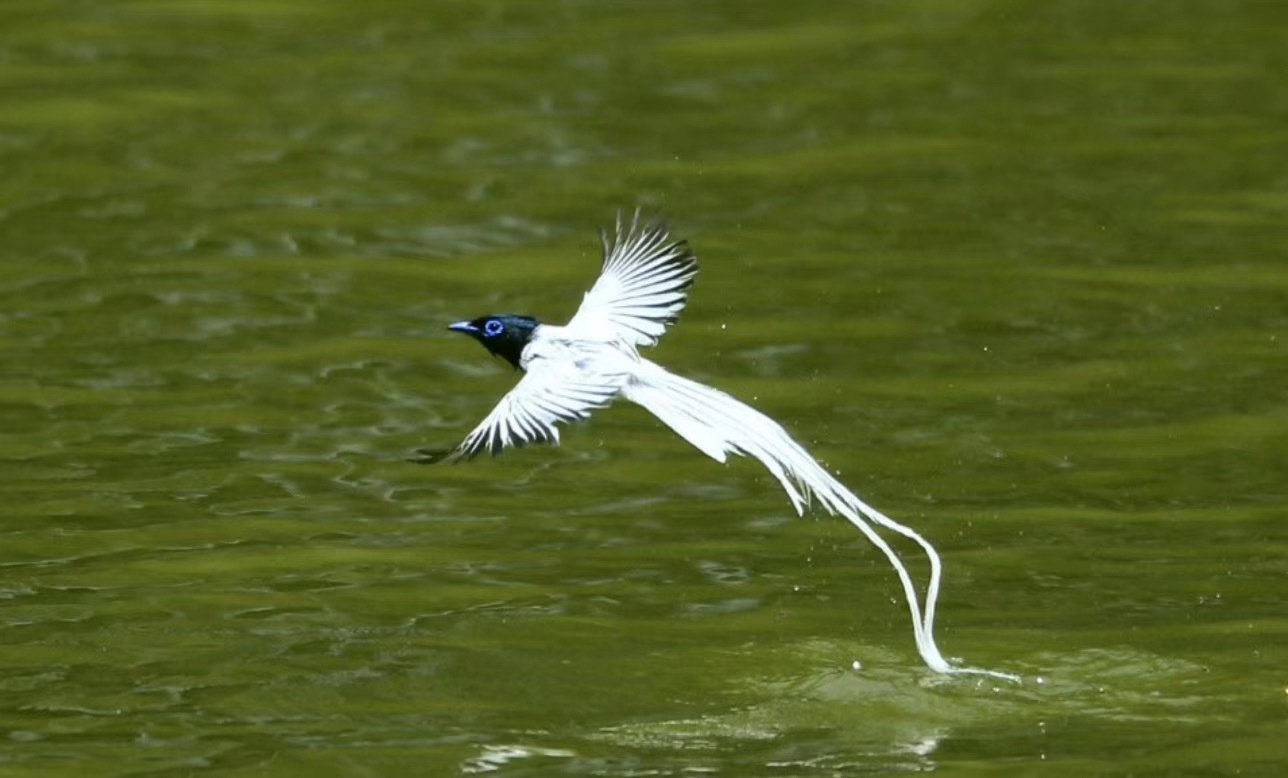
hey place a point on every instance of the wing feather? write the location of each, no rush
(546, 395)
(642, 287)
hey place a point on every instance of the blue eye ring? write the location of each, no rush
(493, 328)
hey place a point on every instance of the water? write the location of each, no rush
(1017, 271)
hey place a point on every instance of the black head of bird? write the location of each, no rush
(503, 334)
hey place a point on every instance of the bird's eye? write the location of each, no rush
(493, 328)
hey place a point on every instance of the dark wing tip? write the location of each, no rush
(462, 453)
(686, 259)
(432, 456)
(467, 452)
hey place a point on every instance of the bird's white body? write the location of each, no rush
(703, 416)
(594, 359)
(589, 352)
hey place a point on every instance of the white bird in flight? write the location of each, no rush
(572, 370)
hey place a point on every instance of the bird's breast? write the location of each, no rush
(587, 357)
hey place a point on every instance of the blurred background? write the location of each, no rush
(1015, 269)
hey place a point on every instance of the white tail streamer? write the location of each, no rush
(717, 425)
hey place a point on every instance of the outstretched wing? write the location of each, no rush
(546, 395)
(642, 286)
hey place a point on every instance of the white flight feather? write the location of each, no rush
(551, 391)
(641, 288)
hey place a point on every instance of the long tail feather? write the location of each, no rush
(718, 425)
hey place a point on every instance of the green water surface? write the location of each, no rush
(1017, 270)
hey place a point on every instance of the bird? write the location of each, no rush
(571, 370)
